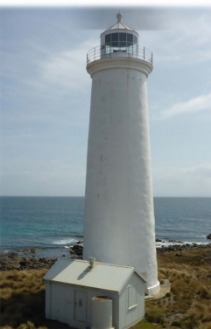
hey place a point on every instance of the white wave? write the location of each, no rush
(5, 251)
(64, 241)
(167, 243)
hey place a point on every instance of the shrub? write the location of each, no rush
(155, 316)
(176, 324)
(33, 250)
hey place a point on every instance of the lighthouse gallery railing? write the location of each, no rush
(124, 52)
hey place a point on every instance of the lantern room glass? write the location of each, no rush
(120, 42)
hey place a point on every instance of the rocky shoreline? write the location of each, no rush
(13, 261)
(182, 247)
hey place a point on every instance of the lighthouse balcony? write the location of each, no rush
(123, 50)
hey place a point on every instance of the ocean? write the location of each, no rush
(53, 224)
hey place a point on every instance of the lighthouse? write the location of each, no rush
(119, 225)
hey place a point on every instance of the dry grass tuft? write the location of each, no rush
(191, 286)
(200, 311)
(28, 325)
(22, 298)
(14, 283)
(205, 326)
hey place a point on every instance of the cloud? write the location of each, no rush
(38, 177)
(193, 105)
(187, 40)
(200, 171)
(67, 69)
(187, 181)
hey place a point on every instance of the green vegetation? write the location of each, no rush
(29, 251)
(25, 250)
(146, 325)
(187, 306)
(33, 250)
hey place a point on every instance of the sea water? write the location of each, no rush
(52, 224)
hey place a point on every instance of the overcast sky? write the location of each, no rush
(45, 96)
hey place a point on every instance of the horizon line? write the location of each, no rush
(83, 196)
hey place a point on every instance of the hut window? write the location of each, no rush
(132, 297)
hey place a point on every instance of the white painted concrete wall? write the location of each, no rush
(119, 214)
(47, 300)
(131, 313)
(61, 304)
(57, 296)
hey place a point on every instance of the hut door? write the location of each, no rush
(80, 306)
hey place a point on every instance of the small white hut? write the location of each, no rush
(95, 295)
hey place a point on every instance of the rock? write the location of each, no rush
(76, 251)
(23, 263)
(13, 261)
(158, 240)
(208, 236)
(181, 247)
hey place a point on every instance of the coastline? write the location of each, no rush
(185, 306)
(18, 260)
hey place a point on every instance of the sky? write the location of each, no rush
(45, 96)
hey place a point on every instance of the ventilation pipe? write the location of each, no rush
(91, 261)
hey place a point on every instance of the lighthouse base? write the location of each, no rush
(153, 290)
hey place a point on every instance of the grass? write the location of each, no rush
(190, 277)
(22, 299)
(144, 324)
(187, 306)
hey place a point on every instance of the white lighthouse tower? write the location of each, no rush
(119, 225)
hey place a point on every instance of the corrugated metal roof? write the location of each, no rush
(102, 276)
